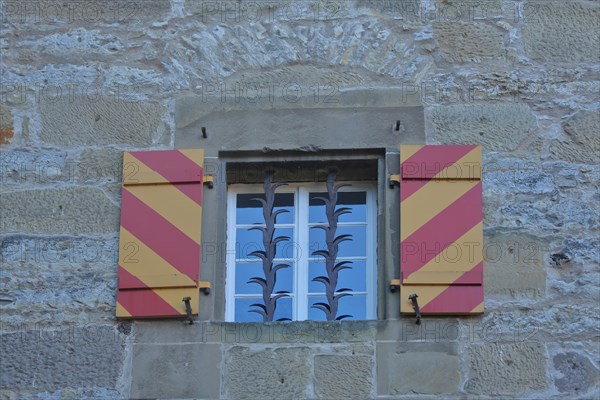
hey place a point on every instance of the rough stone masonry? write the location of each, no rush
(83, 81)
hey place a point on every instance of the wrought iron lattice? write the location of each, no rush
(332, 241)
(267, 309)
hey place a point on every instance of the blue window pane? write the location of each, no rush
(353, 305)
(250, 211)
(356, 201)
(314, 314)
(357, 247)
(242, 310)
(353, 278)
(245, 271)
(356, 306)
(248, 241)
(243, 306)
(283, 309)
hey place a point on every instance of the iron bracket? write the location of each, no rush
(188, 309)
(415, 304)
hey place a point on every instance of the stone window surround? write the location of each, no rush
(300, 135)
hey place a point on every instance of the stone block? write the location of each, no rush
(58, 211)
(561, 31)
(59, 279)
(6, 125)
(20, 167)
(343, 377)
(582, 144)
(214, 98)
(45, 359)
(300, 129)
(507, 369)
(497, 127)
(514, 265)
(466, 42)
(176, 371)
(577, 372)
(100, 165)
(268, 373)
(417, 368)
(80, 122)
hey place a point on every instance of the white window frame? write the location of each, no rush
(301, 230)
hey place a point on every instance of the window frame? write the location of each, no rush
(301, 228)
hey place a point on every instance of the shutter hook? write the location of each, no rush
(188, 309)
(413, 298)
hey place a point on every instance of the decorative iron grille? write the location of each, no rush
(332, 242)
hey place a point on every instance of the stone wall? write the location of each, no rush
(83, 81)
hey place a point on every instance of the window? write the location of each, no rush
(301, 287)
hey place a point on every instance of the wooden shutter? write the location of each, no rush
(159, 246)
(441, 255)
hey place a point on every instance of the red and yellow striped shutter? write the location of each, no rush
(159, 246)
(441, 229)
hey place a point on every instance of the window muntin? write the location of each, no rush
(304, 213)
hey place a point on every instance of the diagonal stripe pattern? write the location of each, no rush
(159, 245)
(441, 229)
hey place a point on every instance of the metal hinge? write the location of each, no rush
(394, 285)
(208, 180)
(394, 180)
(204, 287)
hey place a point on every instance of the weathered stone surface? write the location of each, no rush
(281, 373)
(214, 97)
(47, 359)
(462, 42)
(561, 31)
(405, 330)
(262, 130)
(264, 12)
(81, 122)
(343, 377)
(6, 125)
(276, 332)
(583, 142)
(176, 371)
(35, 14)
(58, 279)
(544, 321)
(497, 127)
(58, 211)
(507, 176)
(406, 10)
(366, 42)
(100, 165)
(113, 192)
(67, 393)
(401, 366)
(78, 41)
(578, 373)
(507, 369)
(20, 167)
(514, 265)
